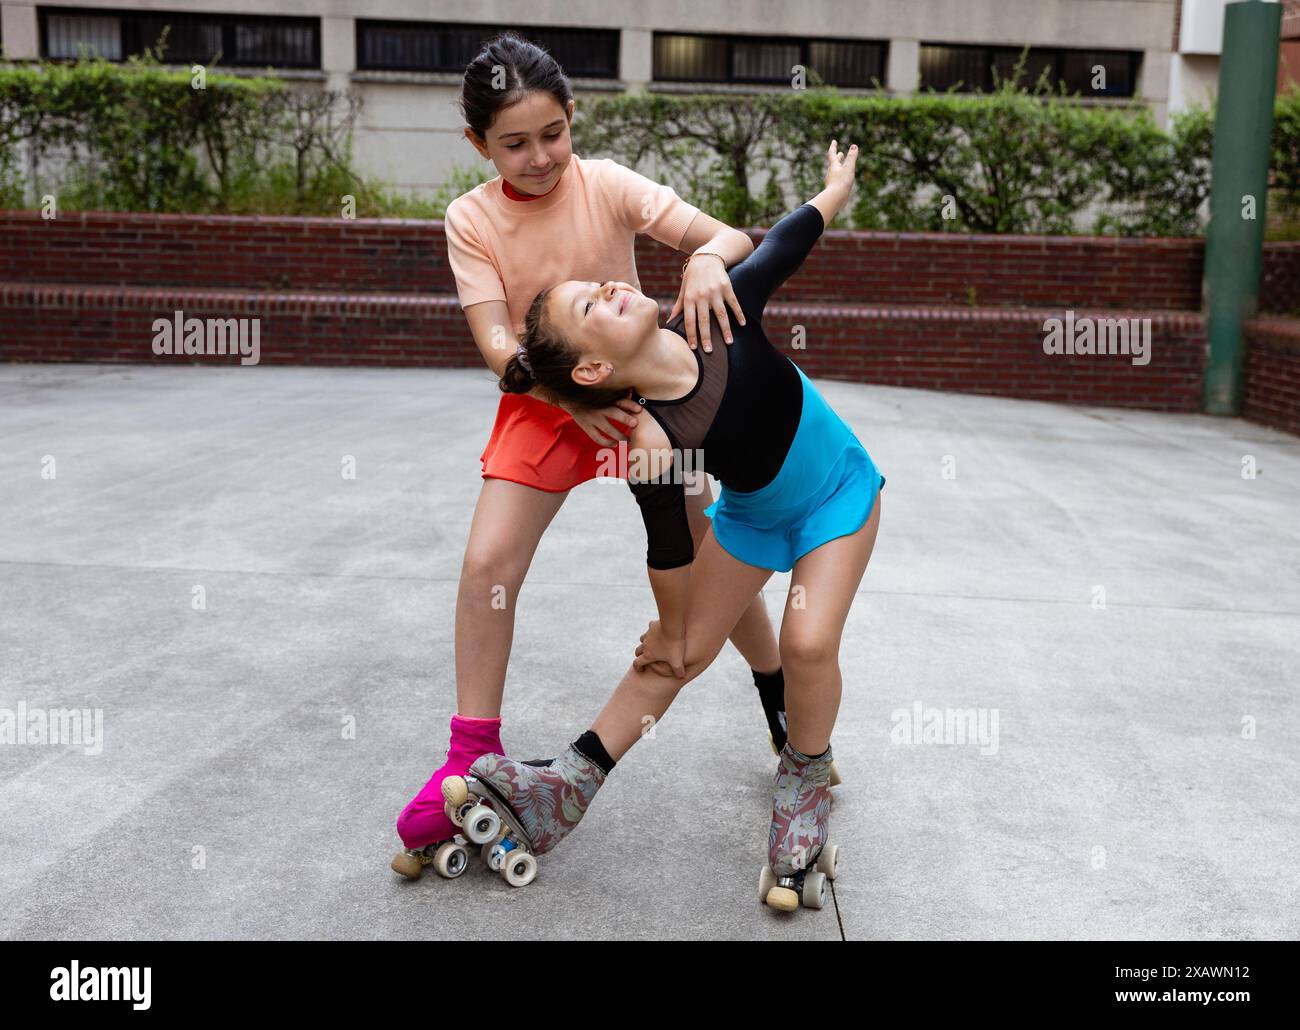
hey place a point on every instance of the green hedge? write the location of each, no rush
(141, 137)
(137, 136)
(1011, 161)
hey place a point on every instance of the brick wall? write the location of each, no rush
(396, 256)
(993, 351)
(96, 323)
(1272, 393)
(935, 311)
(1279, 281)
(255, 253)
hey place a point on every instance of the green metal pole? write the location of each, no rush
(1243, 133)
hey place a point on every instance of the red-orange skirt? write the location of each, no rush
(539, 445)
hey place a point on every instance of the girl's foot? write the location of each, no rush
(801, 809)
(423, 821)
(547, 800)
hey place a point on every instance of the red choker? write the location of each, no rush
(514, 194)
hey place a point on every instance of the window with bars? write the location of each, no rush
(438, 47)
(1091, 73)
(239, 40)
(681, 57)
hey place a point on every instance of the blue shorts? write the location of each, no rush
(826, 488)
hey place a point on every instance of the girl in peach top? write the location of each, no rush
(548, 217)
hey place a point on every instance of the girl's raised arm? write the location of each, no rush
(786, 245)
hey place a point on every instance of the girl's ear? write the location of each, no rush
(478, 144)
(591, 373)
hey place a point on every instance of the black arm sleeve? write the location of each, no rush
(669, 544)
(776, 258)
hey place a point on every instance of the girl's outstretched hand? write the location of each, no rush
(664, 655)
(840, 167)
(706, 287)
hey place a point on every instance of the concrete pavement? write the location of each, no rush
(1101, 589)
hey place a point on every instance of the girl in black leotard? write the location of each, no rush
(799, 492)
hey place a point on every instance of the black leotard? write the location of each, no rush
(745, 407)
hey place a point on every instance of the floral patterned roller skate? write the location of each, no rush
(801, 859)
(519, 810)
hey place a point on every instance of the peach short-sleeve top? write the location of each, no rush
(584, 228)
(509, 249)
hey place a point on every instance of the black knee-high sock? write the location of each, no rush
(591, 748)
(771, 691)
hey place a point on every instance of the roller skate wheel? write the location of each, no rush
(766, 881)
(828, 861)
(519, 868)
(814, 889)
(458, 813)
(783, 899)
(455, 791)
(450, 860)
(408, 864)
(835, 775)
(481, 824)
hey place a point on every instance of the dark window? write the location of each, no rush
(764, 62)
(1036, 63)
(679, 57)
(435, 47)
(1091, 73)
(691, 58)
(69, 36)
(847, 62)
(266, 43)
(945, 67)
(249, 41)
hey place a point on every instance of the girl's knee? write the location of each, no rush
(700, 654)
(496, 563)
(808, 650)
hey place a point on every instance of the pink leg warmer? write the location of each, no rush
(423, 821)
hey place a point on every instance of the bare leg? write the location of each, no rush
(721, 589)
(752, 636)
(509, 520)
(508, 523)
(822, 585)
